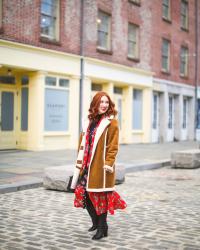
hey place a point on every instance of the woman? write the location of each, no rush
(94, 175)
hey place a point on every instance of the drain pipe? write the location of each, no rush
(196, 64)
(81, 66)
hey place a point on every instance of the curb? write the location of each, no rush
(129, 168)
(18, 186)
(146, 166)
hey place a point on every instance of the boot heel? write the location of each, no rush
(106, 232)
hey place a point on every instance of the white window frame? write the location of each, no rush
(185, 110)
(137, 110)
(165, 56)
(55, 17)
(133, 41)
(184, 56)
(168, 7)
(170, 114)
(58, 87)
(184, 15)
(105, 30)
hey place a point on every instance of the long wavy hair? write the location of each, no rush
(95, 103)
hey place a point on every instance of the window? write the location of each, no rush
(96, 87)
(56, 104)
(155, 111)
(137, 109)
(50, 19)
(170, 117)
(24, 109)
(118, 90)
(165, 55)
(184, 62)
(184, 113)
(50, 81)
(133, 41)
(24, 102)
(104, 30)
(166, 10)
(184, 14)
(198, 114)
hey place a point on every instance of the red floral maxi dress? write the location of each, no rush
(102, 201)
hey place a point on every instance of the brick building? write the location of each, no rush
(55, 55)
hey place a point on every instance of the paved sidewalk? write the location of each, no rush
(24, 169)
(162, 214)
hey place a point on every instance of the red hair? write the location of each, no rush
(95, 103)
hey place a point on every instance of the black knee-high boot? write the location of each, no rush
(102, 229)
(91, 211)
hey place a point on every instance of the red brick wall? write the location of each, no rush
(198, 53)
(21, 23)
(172, 31)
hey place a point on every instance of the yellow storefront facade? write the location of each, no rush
(40, 90)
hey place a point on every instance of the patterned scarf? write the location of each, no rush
(90, 136)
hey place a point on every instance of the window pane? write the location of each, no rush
(50, 81)
(170, 112)
(184, 61)
(103, 30)
(137, 109)
(184, 14)
(184, 113)
(63, 82)
(133, 43)
(118, 90)
(56, 110)
(7, 79)
(166, 9)
(7, 111)
(24, 110)
(49, 17)
(155, 107)
(198, 114)
(102, 39)
(24, 80)
(96, 87)
(165, 55)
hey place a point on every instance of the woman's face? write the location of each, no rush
(104, 105)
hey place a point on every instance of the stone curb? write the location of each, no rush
(7, 188)
(129, 168)
(146, 166)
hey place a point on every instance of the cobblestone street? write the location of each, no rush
(163, 213)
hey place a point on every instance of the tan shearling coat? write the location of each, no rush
(104, 152)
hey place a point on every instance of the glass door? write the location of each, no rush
(7, 119)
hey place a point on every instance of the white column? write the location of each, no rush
(36, 111)
(74, 111)
(147, 114)
(127, 100)
(163, 106)
(86, 96)
(191, 115)
(109, 89)
(178, 116)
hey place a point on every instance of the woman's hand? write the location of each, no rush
(108, 168)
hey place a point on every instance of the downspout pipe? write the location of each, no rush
(196, 64)
(81, 65)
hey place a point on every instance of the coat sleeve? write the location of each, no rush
(112, 143)
(80, 140)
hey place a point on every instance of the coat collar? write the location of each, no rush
(102, 126)
(103, 122)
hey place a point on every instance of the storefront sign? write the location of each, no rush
(56, 110)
